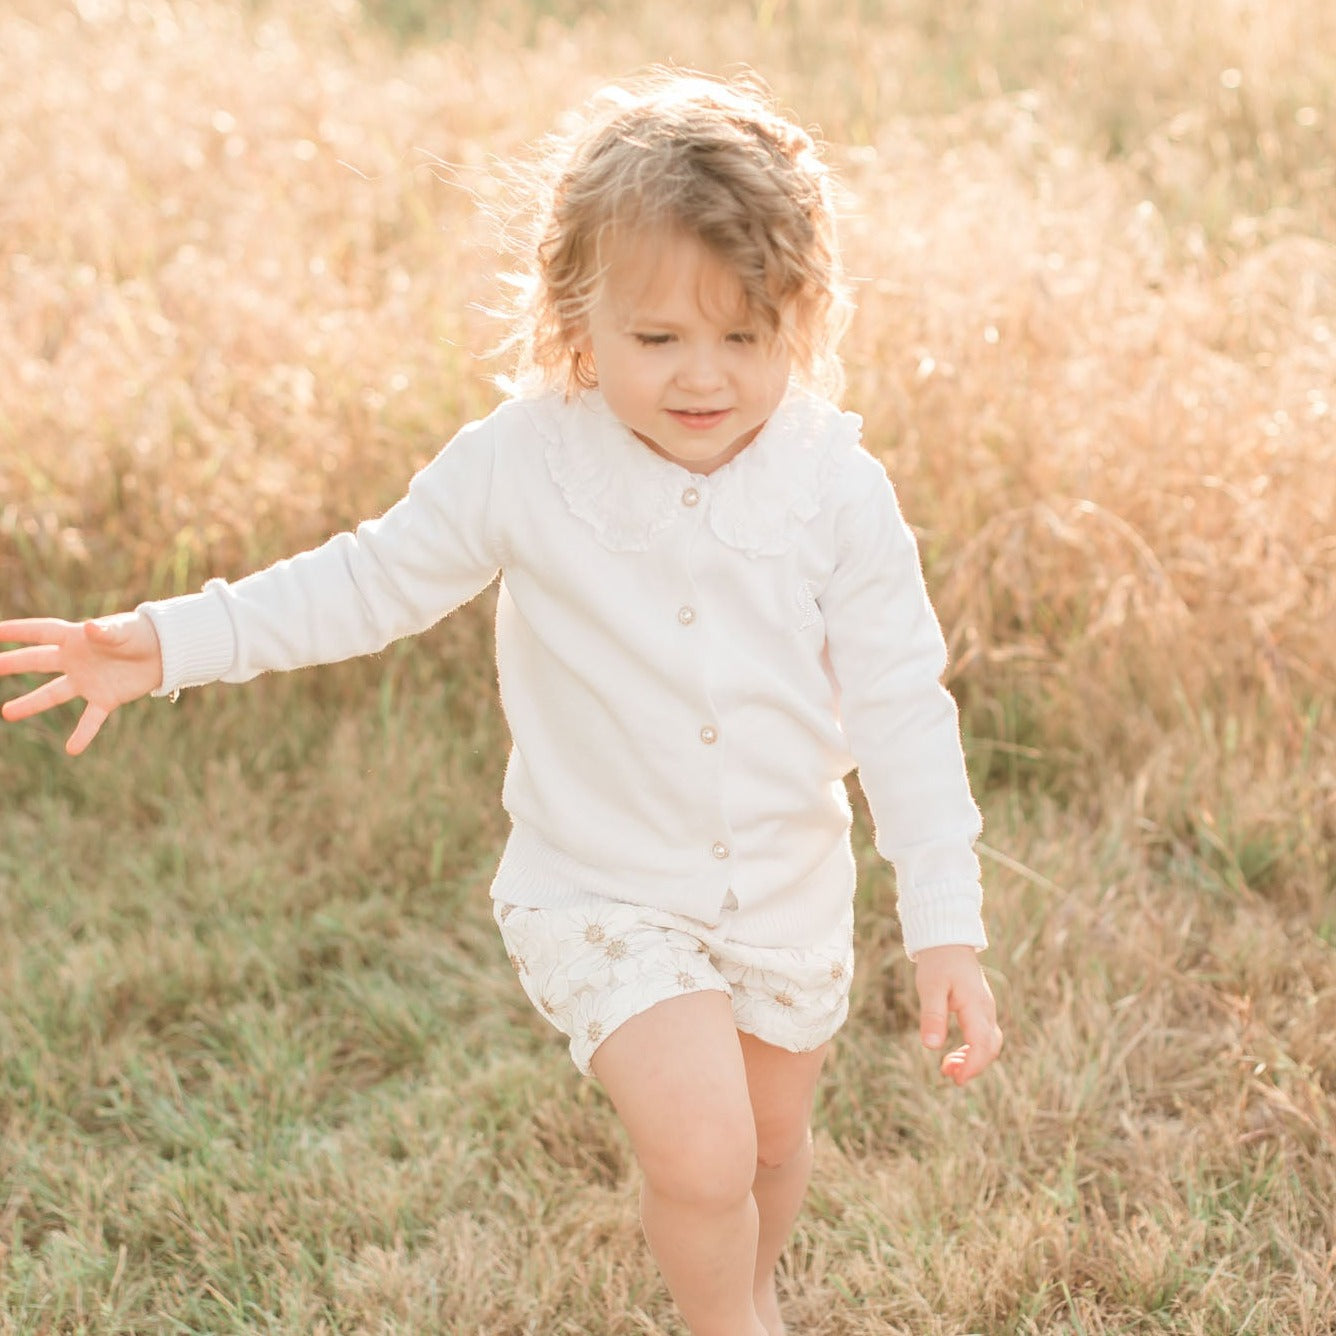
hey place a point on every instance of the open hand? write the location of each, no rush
(951, 983)
(107, 662)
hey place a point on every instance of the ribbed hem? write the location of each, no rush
(948, 915)
(196, 636)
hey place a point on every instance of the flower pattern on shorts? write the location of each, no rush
(672, 974)
(590, 968)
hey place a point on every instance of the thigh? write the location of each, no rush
(676, 1076)
(781, 1086)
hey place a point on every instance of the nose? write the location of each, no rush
(700, 370)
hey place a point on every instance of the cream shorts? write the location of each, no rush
(590, 967)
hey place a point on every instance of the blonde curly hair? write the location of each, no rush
(708, 158)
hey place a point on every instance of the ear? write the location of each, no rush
(580, 348)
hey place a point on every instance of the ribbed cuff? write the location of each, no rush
(196, 637)
(945, 916)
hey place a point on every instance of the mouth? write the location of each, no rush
(698, 419)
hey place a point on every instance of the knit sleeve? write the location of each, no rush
(390, 577)
(888, 655)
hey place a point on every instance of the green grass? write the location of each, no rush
(264, 1067)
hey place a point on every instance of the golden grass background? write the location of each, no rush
(263, 1069)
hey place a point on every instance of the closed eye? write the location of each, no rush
(742, 336)
(652, 340)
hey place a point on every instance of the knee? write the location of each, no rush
(779, 1144)
(710, 1164)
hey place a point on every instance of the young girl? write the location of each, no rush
(710, 611)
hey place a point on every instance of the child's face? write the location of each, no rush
(679, 358)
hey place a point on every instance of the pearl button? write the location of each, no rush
(720, 850)
(686, 615)
(709, 735)
(690, 497)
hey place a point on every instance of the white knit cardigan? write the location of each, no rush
(689, 665)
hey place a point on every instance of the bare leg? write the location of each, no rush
(676, 1076)
(782, 1086)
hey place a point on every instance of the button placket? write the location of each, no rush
(708, 733)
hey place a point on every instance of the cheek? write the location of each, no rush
(775, 378)
(631, 374)
(622, 388)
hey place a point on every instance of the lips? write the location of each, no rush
(698, 419)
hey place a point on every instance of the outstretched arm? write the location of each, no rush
(106, 662)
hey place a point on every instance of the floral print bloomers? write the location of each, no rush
(588, 968)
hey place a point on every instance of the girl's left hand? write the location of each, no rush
(950, 983)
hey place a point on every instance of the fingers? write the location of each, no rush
(109, 632)
(46, 697)
(86, 729)
(40, 659)
(934, 1015)
(968, 1061)
(45, 635)
(36, 630)
(983, 1042)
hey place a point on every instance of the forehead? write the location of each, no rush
(670, 273)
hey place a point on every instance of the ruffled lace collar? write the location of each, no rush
(757, 502)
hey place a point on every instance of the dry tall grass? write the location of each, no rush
(262, 1066)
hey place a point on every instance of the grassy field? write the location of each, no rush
(263, 1067)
